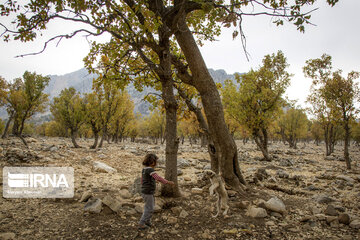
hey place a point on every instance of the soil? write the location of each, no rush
(296, 176)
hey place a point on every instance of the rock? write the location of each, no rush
(7, 236)
(183, 214)
(323, 198)
(187, 178)
(261, 174)
(53, 148)
(102, 156)
(176, 210)
(231, 231)
(171, 220)
(179, 172)
(270, 223)
(330, 219)
(276, 205)
(355, 224)
(346, 178)
(282, 174)
(131, 211)
(286, 163)
(136, 187)
(93, 205)
(344, 218)
(85, 196)
(196, 190)
(260, 203)
(206, 234)
(255, 212)
(125, 194)
(102, 167)
(112, 203)
(306, 219)
(182, 163)
(315, 210)
(331, 211)
(139, 208)
(207, 167)
(330, 158)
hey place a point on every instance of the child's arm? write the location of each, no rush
(160, 179)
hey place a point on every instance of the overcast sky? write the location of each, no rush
(337, 33)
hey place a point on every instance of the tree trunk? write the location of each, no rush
(203, 82)
(346, 145)
(73, 138)
(15, 128)
(4, 135)
(172, 142)
(96, 136)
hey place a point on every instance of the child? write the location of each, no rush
(148, 186)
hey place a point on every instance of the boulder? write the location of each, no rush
(182, 163)
(102, 167)
(346, 178)
(7, 236)
(85, 196)
(344, 218)
(255, 212)
(183, 214)
(171, 220)
(136, 186)
(125, 194)
(196, 190)
(112, 203)
(276, 205)
(93, 205)
(331, 211)
(355, 224)
(323, 198)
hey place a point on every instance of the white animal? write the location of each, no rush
(218, 187)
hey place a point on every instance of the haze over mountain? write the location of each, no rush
(82, 80)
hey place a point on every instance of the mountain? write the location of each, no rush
(82, 80)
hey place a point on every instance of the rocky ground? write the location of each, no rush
(299, 195)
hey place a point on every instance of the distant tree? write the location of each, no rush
(258, 100)
(342, 94)
(2, 125)
(319, 70)
(122, 117)
(68, 109)
(356, 132)
(93, 115)
(24, 99)
(3, 91)
(317, 132)
(294, 125)
(156, 125)
(336, 96)
(134, 128)
(109, 96)
(55, 129)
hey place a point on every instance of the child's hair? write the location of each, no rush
(149, 159)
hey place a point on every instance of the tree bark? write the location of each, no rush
(172, 142)
(73, 138)
(203, 82)
(346, 145)
(4, 135)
